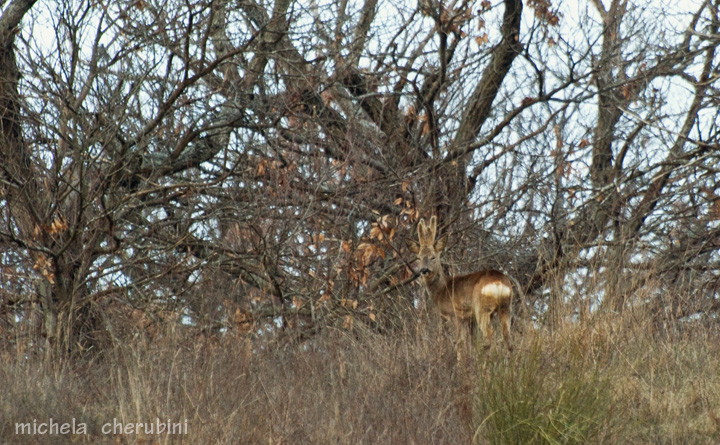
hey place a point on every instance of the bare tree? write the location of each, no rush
(231, 161)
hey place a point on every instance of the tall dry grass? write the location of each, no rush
(611, 379)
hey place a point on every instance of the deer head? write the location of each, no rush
(428, 250)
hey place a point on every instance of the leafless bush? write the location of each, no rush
(241, 166)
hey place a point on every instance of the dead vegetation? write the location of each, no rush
(611, 379)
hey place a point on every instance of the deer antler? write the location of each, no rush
(433, 229)
(422, 232)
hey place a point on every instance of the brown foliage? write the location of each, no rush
(206, 158)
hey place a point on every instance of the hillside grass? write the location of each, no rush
(611, 379)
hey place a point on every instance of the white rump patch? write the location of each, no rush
(497, 290)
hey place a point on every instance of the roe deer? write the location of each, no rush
(460, 297)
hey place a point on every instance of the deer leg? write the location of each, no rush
(504, 313)
(482, 317)
(461, 343)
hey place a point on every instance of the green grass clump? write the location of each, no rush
(536, 398)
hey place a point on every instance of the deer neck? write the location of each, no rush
(437, 285)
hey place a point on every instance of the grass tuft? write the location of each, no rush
(536, 398)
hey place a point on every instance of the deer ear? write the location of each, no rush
(441, 243)
(412, 245)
